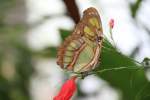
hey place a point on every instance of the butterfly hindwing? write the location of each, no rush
(67, 50)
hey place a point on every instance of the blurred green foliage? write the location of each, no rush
(134, 7)
(17, 58)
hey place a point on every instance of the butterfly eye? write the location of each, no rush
(99, 38)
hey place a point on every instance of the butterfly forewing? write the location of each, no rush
(92, 24)
(81, 50)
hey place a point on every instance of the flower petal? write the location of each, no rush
(67, 90)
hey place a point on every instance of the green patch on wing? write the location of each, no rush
(94, 22)
(88, 31)
(68, 53)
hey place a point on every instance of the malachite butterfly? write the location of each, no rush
(80, 51)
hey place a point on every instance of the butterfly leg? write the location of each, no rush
(84, 74)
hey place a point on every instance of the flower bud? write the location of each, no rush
(111, 23)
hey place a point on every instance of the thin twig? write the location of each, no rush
(72, 10)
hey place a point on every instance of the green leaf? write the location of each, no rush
(64, 33)
(131, 80)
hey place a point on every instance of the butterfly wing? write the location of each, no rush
(81, 50)
(90, 25)
(67, 51)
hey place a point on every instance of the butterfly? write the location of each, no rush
(80, 52)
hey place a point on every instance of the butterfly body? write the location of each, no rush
(81, 50)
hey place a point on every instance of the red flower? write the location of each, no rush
(67, 90)
(111, 23)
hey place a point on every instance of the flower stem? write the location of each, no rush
(115, 69)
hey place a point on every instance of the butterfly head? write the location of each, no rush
(99, 40)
